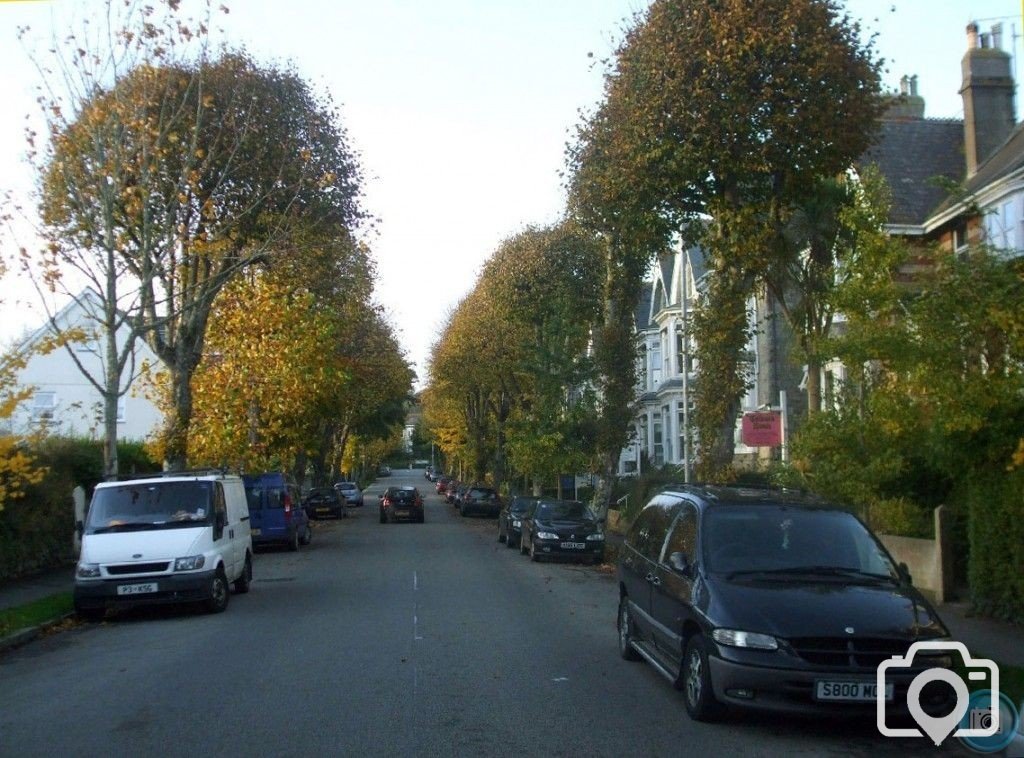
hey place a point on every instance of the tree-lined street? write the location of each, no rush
(381, 639)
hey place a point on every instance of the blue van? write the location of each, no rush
(276, 515)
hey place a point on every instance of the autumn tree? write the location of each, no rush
(98, 88)
(545, 287)
(297, 360)
(185, 170)
(718, 119)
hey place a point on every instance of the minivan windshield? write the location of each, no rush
(785, 540)
(150, 505)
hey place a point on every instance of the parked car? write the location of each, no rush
(275, 510)
(764, 599)
(401, 503)
(458, 493)
(483, 500)
(441, 483)
(177, 538)
(449, 490)
(562, 528)
(351, 492)
(383, 470)
(510, 519)
(324, 501)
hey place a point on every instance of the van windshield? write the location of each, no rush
(152, 505)
(783, 540)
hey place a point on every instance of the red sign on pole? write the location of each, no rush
(762, 429)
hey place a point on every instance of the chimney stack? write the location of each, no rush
(987, 92)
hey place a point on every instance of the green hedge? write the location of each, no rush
(36, 531)
(996, 532)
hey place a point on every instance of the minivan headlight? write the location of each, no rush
(736, 638)
(191, 563)
(547, 536)
(88, 570)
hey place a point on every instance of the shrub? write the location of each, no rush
(36, 531)
(996, 532)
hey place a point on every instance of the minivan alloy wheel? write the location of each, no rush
(701, 703)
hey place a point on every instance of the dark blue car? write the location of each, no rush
(276, 515)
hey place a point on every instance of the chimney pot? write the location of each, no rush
(997, 36)
(904, 85)
(913, 86)
(972, 36)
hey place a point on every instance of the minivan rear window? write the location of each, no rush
(149, 505)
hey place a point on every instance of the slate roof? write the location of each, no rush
(1008, 159)
(911, 154)
(642, 315)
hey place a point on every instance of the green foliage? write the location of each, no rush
(995, 502)
(36, 530)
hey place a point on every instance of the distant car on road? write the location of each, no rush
(384, 470)
(562, 529)
(351, 492)
(510, 519)
(324, 501)
(401, 503)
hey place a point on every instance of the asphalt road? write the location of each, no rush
(382, 639)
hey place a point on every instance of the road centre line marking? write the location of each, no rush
(415, 581)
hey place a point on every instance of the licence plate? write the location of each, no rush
(136, 589)
(850, 691)
(573, 545)
(254, 532)
(401, 511)
(323, 510)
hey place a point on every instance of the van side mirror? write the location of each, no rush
(905, 573)
(680, 563)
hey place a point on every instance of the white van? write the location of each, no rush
(181, 537)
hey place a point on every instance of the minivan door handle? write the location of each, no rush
(653, 579)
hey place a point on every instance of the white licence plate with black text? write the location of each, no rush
(136, 589)
(850, 691)
(573, 545)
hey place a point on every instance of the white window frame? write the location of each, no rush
(44, 411)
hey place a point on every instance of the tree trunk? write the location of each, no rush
(813, 386)
(176, 453)
(110, 462)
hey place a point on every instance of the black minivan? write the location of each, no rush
(767, 599)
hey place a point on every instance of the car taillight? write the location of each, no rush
(387, 502)
(287, 500)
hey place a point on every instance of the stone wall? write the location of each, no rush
(930, 562)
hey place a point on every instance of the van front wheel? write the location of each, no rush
(218, 600)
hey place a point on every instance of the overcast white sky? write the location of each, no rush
(460, 111)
